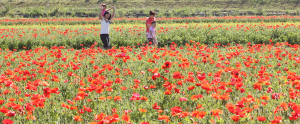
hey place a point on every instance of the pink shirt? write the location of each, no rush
(153, 30)
(149, 21)
(103, 11)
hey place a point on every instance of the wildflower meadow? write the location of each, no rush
(201, 72)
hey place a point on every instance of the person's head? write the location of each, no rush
(107, 15)
(151, 14)
(153, 23)
(104, 6)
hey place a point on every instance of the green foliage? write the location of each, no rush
(80, 21)
(73, 14)
(100, 1)
(11, 15)
(35, 12)
(6, 10)
(54, 11)
(185, 8)
(130, 35)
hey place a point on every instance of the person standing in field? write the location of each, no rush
(149, 20)
(104, 9)
(105, 21)
(152, 34)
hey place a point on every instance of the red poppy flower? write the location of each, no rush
(135, 96)
(125, 118)
(277, 120)
(145, 123)
(163, 117)
(155, 76)
(275, 96)
(7, 121)
(155, 106)
(235, 118)
(10, 113)
(201, 76)
(183, 99)
(191, 87)
(177, 75)
(257, 86)
(77, 118)
(166, 65)
(198, 114)
(261, 118)
(168, 92)
(70, 73)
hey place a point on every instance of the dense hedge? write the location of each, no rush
(95, 21)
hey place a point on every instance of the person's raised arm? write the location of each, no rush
(100, 15)
(110, 8)
(113, 14)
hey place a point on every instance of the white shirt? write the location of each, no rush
(153, 30)
(104, 26)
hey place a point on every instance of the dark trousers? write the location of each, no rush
(105, 40)
(150, 40)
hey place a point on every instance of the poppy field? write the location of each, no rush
(199, 73)
(249, 83)
(122, 35)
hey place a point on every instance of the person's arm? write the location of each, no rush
(110, 8)
(155, 40)
(100, 15)
(113, 14)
